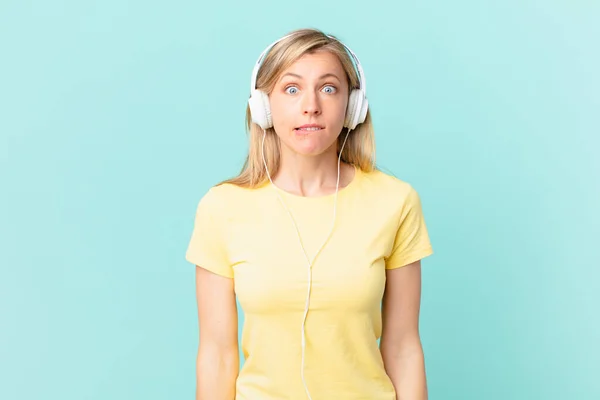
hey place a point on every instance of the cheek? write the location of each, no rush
(337, 114)
(280, 115)
(340, 106)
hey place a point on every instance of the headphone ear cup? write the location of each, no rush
(357, 109)
(364, 107)
(351, 109)
(260, 109)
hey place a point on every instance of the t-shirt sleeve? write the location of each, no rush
(206, 248)
(411, 242)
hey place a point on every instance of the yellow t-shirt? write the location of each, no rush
(247, 235)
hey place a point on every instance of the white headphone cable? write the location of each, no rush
(310, 263)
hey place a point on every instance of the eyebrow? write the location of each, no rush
(300, 77)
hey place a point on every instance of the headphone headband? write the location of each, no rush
(357, 65)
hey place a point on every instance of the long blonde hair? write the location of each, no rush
(359, 149)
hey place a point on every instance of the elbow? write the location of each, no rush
(405, 347)
(215, 358)
(216, 372)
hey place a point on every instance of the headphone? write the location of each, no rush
(356, 111)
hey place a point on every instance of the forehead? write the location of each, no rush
(317, 62)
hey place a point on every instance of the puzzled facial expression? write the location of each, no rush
(308, 103)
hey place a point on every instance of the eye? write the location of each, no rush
(329, 89)
(291, 90)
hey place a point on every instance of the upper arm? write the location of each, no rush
(215, 295)
(217, 310)
(401, 308)
(402, 295)
(411, 242)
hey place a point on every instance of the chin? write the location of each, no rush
(310, 149)
(309, 134)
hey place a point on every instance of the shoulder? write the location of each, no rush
(385, 184)
(222, 192)
(224, 198)
(391, 194)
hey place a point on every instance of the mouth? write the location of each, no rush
(309, 128)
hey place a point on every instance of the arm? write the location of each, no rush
(217, 362)
(400, 342)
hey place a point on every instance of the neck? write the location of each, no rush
(311, 176)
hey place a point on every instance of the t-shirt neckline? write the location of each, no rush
(341, 191)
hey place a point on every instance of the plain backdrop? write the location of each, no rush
(117, 116)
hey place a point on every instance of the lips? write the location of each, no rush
(309, 128)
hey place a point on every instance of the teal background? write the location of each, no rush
(117, 116)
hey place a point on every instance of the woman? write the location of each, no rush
(322, 249)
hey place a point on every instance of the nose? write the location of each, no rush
(311, 104)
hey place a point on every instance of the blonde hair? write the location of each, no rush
(359, 149)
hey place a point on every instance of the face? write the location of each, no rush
(308, 104)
